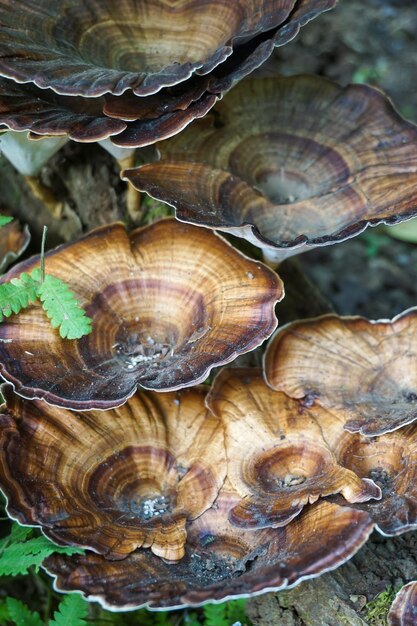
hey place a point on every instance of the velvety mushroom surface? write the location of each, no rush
(290, 162)
(115, 480)
(221, 561)
(168, 302)
(278, 457)
(403, 611)
(366, 369)
(88, 48)
(13, 242)
(391, 462)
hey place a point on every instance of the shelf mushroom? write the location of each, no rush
(364, 369)
(221, 561)
(389, 460)
(278, 456)
(290, 163)
(112, 481)
(168, 302)
(403, 611)
(83, 49)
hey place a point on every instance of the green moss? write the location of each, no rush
(376, 610)
(154, 210)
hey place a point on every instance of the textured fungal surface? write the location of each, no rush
(278, 457)
(221, 561)
(263, 167)
(391, 462)
(89, 48)
(403, 611)
(13, 242)
(115, 480)
(366, 369)
(43, 112)
(168, 302)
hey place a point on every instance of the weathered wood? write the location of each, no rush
(339, 598)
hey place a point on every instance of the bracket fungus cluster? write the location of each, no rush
(290, 163)
(210, 492)
(265, 477)
(138, 73)
(168, 302)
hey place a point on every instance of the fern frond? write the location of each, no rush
(21, 615)
(235, 611)
(215, 615)
(20, 551)
(5, 219)
(71, 612)
(17, 294)
(63, 309)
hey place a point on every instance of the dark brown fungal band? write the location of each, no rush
(221, 561)
(83, 48)
(261, 167)
(146, 132)
(278, 456)
(403, 611)
(168, 302)
(43, 112)
(365, 370)
(117, 480)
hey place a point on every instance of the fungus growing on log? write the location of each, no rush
(262, 166)
(278, 457)
(403, 611)
(221, 561)
(168, 302)
(117, 480)
(366, 369)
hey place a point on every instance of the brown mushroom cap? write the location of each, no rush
(168, 303)
(117, 480)
(278, 457)
(146, 132)
(391, 462)
(86, 48)
(221, 561)
(366, 369)
(290, 162)
(13, 242)
(43, 112)
(403, 611)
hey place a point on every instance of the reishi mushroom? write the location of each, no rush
(289, 163)
(221, 560)
(112, 481)
(278, 456)
(168, 302)
(365, 369)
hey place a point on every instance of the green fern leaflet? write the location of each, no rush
(63, 309)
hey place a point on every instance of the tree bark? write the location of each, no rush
(339, 598)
